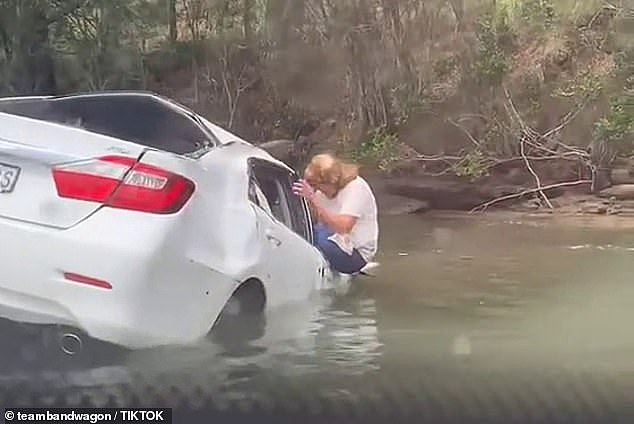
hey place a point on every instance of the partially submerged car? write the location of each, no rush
(127, 217)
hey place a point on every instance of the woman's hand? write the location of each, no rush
(341, 224)
(302, 188)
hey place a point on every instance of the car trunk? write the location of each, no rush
(29, 151)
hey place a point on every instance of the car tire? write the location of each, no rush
(242, 317)
(248, 299)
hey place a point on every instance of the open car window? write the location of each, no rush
(257, 196)
(275, 184)
(140, 119)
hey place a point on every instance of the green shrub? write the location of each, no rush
(617, 127)
(474, 166)
(494, 37)
(538, 14)
(445, 66)
(379, 150)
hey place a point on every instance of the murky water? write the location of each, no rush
(457, 292)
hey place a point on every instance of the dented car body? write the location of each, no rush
(132, 219)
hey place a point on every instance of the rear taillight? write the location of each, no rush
(122, 182)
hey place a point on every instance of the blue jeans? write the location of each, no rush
(338, 259)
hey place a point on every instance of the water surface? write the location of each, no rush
(453, 292)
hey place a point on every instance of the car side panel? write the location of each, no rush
(292, 268)
(219, 228)
(252, 244)
(172, 275)
(226, 233)
(157, 296)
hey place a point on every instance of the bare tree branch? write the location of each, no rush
(567, 119)
(532, 171)
(464, 130)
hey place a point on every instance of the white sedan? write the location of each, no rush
(130, 219)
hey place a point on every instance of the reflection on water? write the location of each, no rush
(321, 336)
(485, 293)
(325, 335)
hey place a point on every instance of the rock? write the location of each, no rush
(391, 204)
(491, 191)
(627, 204)
(622, 176)
(534, 204)
(602, 180)
(515, 176)
(456, 194)
(626, 208)
(315, 137)
(440, 194)
(614, 210)
(279, 149)
(398, 205)
(619, 192)
(595, 207)
(323, 139)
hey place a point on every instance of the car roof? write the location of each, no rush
(241, 150)
(107, 93)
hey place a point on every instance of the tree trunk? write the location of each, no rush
(248, 19)
(36, 73)
(393, 18)
(284, 16)
(171, 13)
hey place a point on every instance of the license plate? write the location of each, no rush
(8, 177)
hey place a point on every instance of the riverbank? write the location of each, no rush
(423, 197)
(566, 189)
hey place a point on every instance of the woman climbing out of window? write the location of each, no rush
(347, 230)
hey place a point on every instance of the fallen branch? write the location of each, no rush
(570, 156)
(529, 191)
(452, 162)
(533, 145)
(438, 158)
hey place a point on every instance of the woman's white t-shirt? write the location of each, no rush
(356, 199)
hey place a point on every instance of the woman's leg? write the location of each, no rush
(338, 259)
(321, 234)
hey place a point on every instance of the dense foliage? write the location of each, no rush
(428, 73)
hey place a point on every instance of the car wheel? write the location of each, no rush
(248, 299)
(242, 317)
(233, 307)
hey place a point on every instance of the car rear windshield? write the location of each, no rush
(140, 119)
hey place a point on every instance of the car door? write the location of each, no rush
(293, 265)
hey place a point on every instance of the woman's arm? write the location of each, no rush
(341, 224)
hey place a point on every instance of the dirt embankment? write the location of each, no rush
(533, 134)
(406, 195)
(416, 195)
(492, 94)
(566, 190)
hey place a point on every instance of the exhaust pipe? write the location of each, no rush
(70, 343)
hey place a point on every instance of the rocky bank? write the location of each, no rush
(414, 192)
